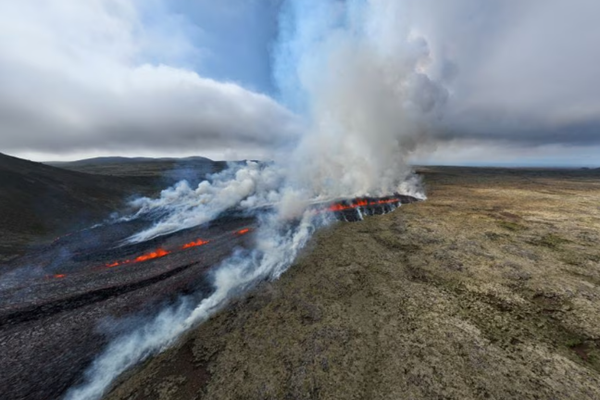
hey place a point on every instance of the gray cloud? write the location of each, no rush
(74, 78)
(522, 72)
(110, 76)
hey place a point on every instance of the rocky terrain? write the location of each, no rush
(64, 301)
(489, 289)
(39, 202)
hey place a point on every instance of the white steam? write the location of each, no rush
(246, 186)
(370, 98)
(371, 102)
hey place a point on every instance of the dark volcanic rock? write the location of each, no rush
(38, 201)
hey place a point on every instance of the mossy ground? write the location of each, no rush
(489, 289)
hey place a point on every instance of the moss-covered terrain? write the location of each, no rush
(489, 289)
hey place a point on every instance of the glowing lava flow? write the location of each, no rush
(144, 257)
(361, 203)
(197, 243)
(151, 256)
(158, 253)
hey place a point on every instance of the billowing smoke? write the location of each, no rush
(360, 74)
(245, 186)
(369, 103)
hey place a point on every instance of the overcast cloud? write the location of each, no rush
(177, 77)
(520, 71)
(113, 75)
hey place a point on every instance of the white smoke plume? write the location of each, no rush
(370, 103)
(244, 186)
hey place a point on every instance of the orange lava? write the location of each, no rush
(115, 264)
(158, 253)
(150, 256)
(243, 231)
(197, 243)
(360, 203)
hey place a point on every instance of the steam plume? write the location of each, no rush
(362, 77)
(369, 103)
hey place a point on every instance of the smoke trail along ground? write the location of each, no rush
(245, 186)
(278, 243)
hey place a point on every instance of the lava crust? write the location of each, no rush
(50, 318)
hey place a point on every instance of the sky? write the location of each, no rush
(490, 83)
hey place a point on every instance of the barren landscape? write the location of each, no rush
(404, 202)
(67, 300)
(489, 289)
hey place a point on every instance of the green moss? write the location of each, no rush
(550, 241)
(573, 342)
(496, 236)
(511, 226)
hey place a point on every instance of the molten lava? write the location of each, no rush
(197, 243)
(150, 256)
(341, 206)
(59, 276)
(243, 231)
(158, 253)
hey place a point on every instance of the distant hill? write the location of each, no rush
(39, 201)
(169, 170)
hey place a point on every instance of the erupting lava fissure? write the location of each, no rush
(347, 210)
(354, 210)
(361, 203)
(365, 202)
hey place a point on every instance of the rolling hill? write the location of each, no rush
(38, 201)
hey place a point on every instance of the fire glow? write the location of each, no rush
(243, 231)
(151, 256)
(361, 203)
(158, 253)
(197, 243)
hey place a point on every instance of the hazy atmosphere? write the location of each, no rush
(482, 82)
(299, 199)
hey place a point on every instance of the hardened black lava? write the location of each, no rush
(60, 296)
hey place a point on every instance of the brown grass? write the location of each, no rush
(490, 289)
